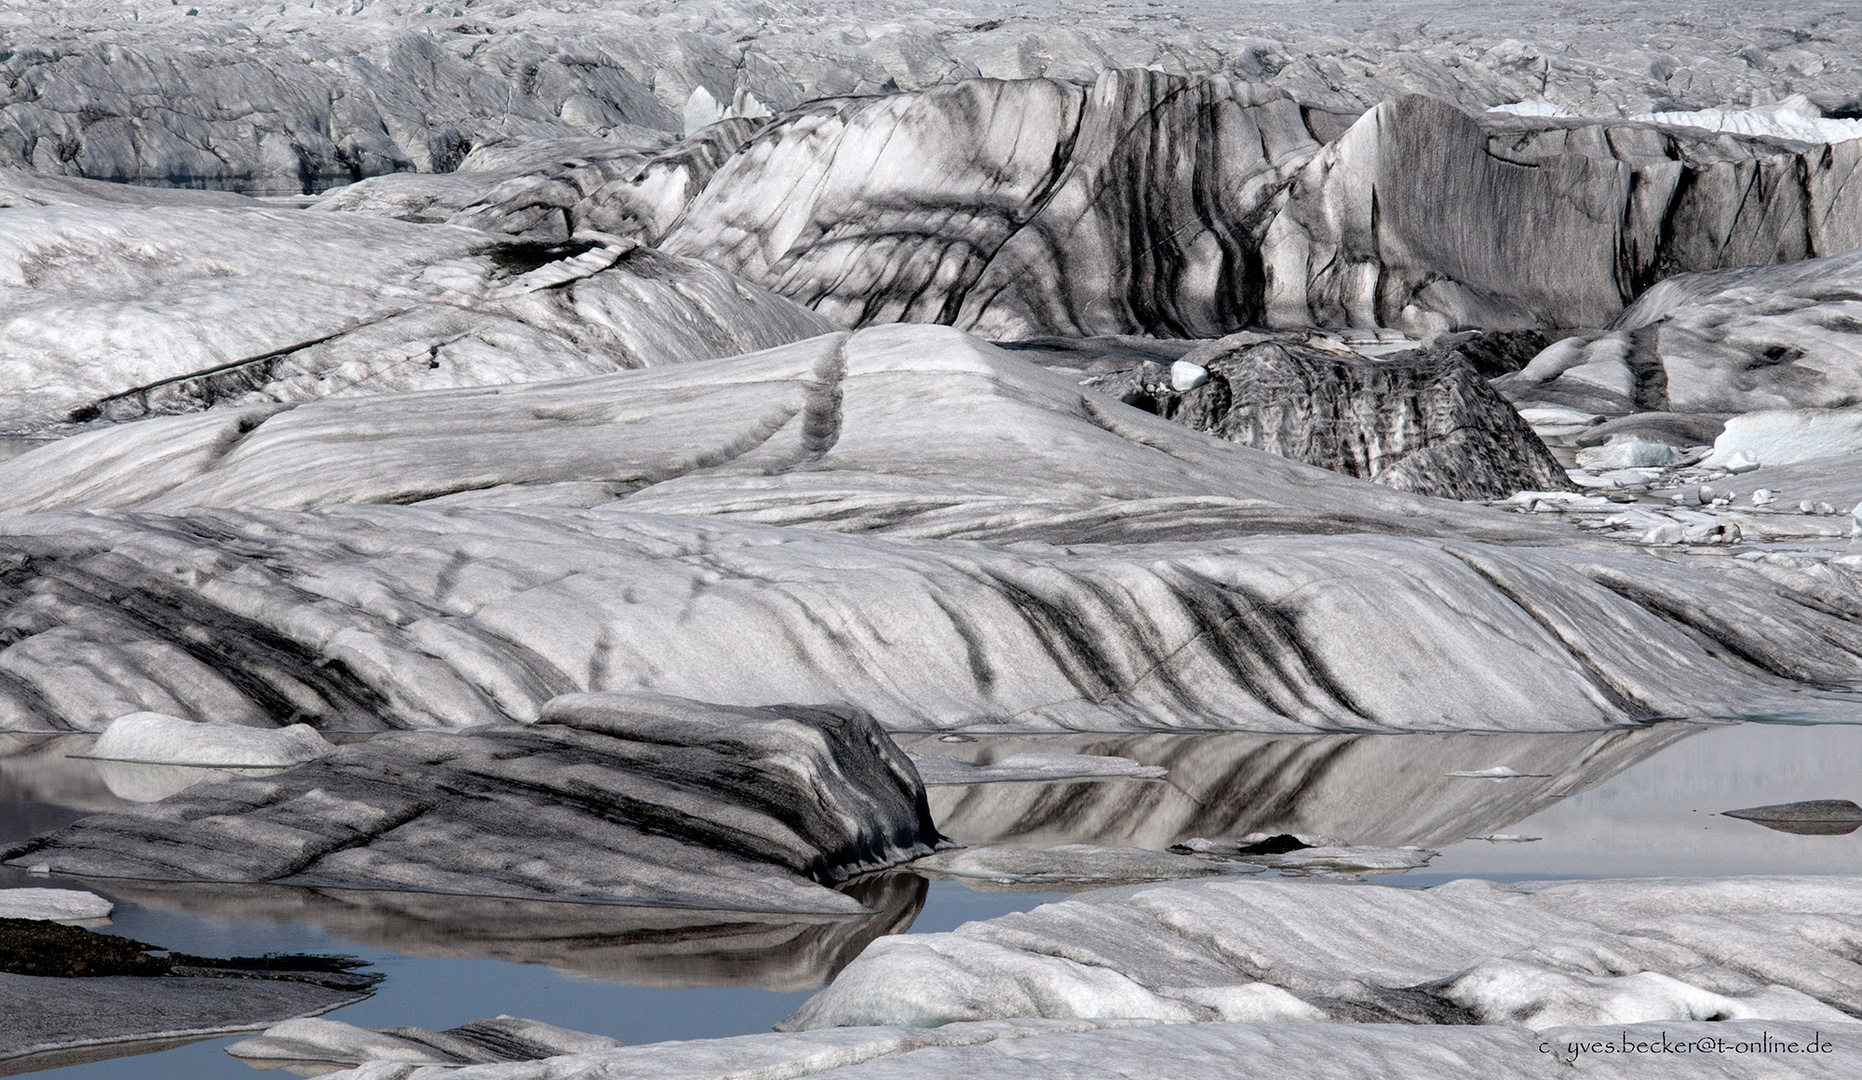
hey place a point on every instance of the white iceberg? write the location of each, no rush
(154, 739)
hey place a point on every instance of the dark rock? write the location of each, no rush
(1492, 352)
(1818, 817)
(1421, 421)
(612, 798)
(1273, 845)
(53, 950)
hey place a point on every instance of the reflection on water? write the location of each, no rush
(1630, 802)
(1386, 790)
(642, 946)
(35, 769)
(137, 781)
(1663, 816)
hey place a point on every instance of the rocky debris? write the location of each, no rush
(60, 905)
(1467, 952)
(1421, 422)
(500, 1038)
(938, 769)
(167, 740)
(116, 310)
(71, 995)
(1716, 342)
(1056, 1050)
(610, 798)
(47, 949)
(1758, 513)
(1818, 817)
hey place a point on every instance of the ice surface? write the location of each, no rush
(121, 311)
(1773, 123)
(435, 617)
(501, 1038)
(1543, 954)
(1788, 436)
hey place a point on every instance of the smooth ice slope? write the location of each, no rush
(1542, 954)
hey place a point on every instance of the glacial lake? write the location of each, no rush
(1622, 803)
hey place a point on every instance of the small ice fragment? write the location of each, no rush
(1741, 462)
(1185, 376)
(1506, 838)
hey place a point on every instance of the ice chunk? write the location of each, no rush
(1629, 453)
(1786, 436)
(1185, 376)
(61, 905)
(501, 1038)
(156, 739)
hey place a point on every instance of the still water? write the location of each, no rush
(1639, 802)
